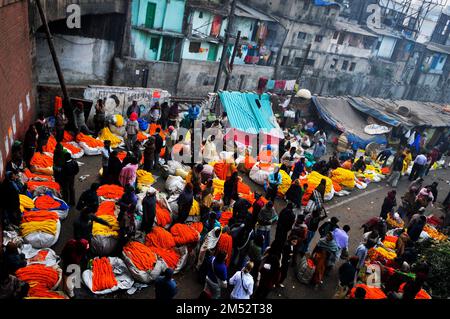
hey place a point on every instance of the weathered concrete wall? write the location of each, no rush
(363, 85)
(161, 74)
(246, 77)
(83, 60)
(56, 9)
(197, 77)
(295, 9)
(46, 96)
(17, 107)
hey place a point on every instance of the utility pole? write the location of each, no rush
(362, 11)
(279, 54)
(236, 44)
(225, 44)
(302, 65)
(51, 46)
(126, 36)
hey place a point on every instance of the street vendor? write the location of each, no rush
(320, 150)
(359, 165)
(275, 180)
(155, 113)
(290, 157)
(305, 141)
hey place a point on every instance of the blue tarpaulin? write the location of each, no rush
(360, 143)
(324, 3)
(373, 112)
(338, 113)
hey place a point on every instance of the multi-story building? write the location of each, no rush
(177, 44)
(157, 29)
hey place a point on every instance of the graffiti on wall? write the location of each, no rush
(117, 99)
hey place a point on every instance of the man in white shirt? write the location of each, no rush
(418, 168)
(243, 283)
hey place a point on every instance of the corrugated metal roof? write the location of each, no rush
(436, 47)
(338, 112)
(343, 25)
(243, 10)
(245, 114)
(385, 32)
(420, 113)
(373, 112)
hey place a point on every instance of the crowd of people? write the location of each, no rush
(256, 263)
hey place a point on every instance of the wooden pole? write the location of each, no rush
(236, 44)
(225, 44)
(51, 46)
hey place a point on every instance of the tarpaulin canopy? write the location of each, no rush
(338, 112)
(250, 113)
(325, 3)
(407, 113)
(373, 112)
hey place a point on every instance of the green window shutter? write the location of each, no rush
(154, 44)
(150, 16)
(212, 53)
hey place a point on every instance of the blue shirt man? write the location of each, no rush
(165, 286)
(319, 150)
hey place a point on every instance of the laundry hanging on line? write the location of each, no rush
(290, 85)
(280, 84)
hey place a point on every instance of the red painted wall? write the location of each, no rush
(16, 86)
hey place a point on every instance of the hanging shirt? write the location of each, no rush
(261, 34)
(417, 142)
(280, 84)
(411, 138)
(262, 84)
(290, 85)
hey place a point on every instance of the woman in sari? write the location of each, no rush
(270, 270)
(324, 256)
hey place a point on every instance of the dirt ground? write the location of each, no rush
(353, 210)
